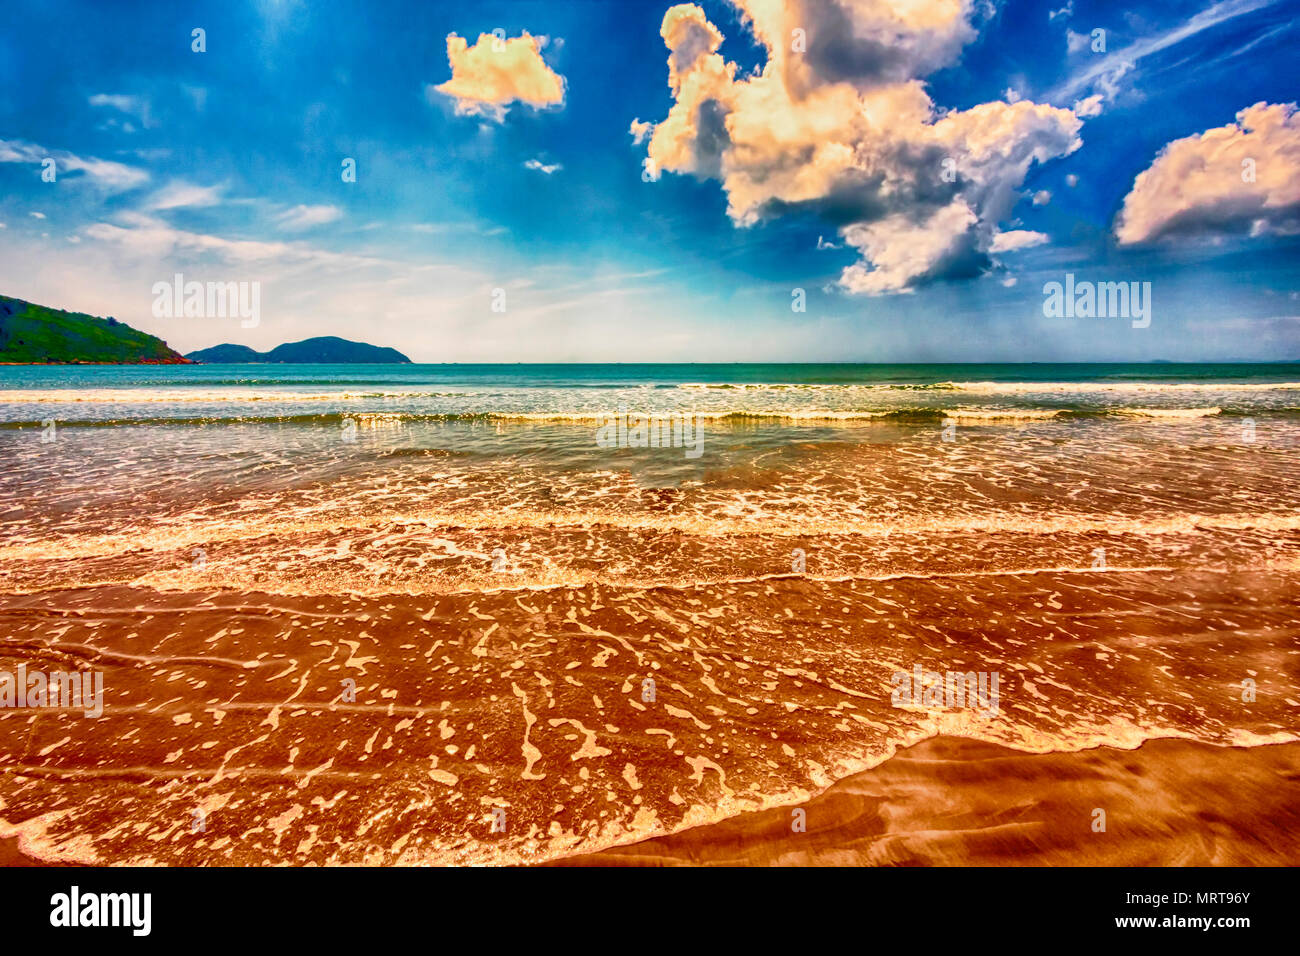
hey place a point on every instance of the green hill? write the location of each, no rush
(322, 350)
(35, 334)
(227, 355)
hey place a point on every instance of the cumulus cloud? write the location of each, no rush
(1233, 179)
(1089, 106)
(1042, 197)
(900, 249)
(304, 217)
(640, 131)
(1014, 239)
(494, 73)
(846, 129)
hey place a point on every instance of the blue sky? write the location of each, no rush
(224, 165)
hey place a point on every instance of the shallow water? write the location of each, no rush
(230, 544)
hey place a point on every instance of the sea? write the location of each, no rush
(504, 613)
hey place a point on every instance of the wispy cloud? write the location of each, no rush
(305, 217)
(136, 106)
(179, 194)
(542, 167)
(1106, 72)
(150, 238)
(198, 96)
(103, 172)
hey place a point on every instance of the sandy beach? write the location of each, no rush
(745, 433)
(458, 641)
(955, 802)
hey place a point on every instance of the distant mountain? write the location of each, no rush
(322, 350)
(330, 349)
(226, 355)
(36, 334)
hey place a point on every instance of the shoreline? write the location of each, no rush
(180, 361)
(954, 801)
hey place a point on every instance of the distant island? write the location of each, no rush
(33, 334)
(323, 349)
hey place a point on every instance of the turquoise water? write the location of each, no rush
(79, 438)
(570, 376)
(796, 395)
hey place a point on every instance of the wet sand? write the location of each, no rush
(951, 801)
(955, 802)
(228, 736)
(504, 645)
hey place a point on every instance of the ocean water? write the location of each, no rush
(499, 571)
(107, 449)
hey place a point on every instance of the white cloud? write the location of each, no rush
(640, 131)
(1042, 197)
(1088, 107)
(178, 194)
(900, 249)
(144, 237)
(493, 73)
(37, 215)
(1104, 71)
(1233, 179)
(847, 129)
(305, 217)
(1014, 239)
(108, 175)
(539, 166)
(136, 106)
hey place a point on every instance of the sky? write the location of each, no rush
(634, 181)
